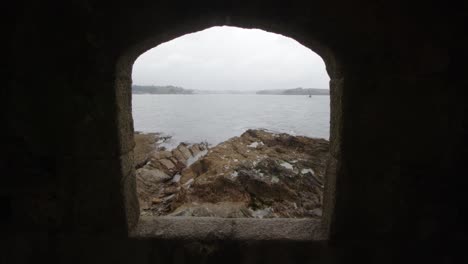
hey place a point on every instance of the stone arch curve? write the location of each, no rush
(153, 39)
(150, 39)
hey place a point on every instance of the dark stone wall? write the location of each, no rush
(399, 128)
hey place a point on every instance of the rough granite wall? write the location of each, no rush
(398, 128)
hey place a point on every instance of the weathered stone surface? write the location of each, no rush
(157, 181)
(402, 150)
(185, 151)
(209, 228)
(222, 209)
(194, 149)
(179, 156)
(144, 146)
(149, 184)
(158, 155)
(152, 175)
(167, 164)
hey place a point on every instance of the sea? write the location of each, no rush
(214, 118)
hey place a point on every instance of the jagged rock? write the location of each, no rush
(152, 176)
(167, 164)
(158, 171)
(185, 151)
(158, 155)
(170, 190)
(149, 182)
(273, 175)
(144, 146)
(176, 153)
(194, 149)
(258, 174)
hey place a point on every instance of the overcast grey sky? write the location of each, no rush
(230, 58)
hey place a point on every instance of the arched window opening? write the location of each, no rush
(231, 123)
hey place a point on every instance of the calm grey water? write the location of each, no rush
(217, 117)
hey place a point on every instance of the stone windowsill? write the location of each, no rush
(211, 228)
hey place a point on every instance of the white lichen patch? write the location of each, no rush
(169, 197)
(193, 159)
(176, 178)
(286, 165)
(305, 171)
(188, 183)
(255, 144)
(234, 174)
(274, 179)
(261, 213)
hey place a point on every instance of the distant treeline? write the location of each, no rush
(169, 89)
(296, 91)
(140, 89)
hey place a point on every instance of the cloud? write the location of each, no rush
(229, 58)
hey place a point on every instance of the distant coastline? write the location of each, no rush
(169, 89)
(296, 91)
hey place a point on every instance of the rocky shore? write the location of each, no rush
(258, 174)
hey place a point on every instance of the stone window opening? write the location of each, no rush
(219, 228)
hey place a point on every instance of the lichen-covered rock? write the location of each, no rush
(259, 174)
(149, 182)
(158, 170)
(144, 146)
(272, 175)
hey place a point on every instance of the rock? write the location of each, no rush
(149, 182)
(176, 153)
(168, 166)
(171, 190)
(158, 155)
(185, 151)
(259, 174)
(156, 201)
(316, 212)
(272, 175)
(144, 145)
(152, 176)
(175, 161)
(159, 171)
(194, 149)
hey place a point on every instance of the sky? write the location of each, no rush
(230, 58)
